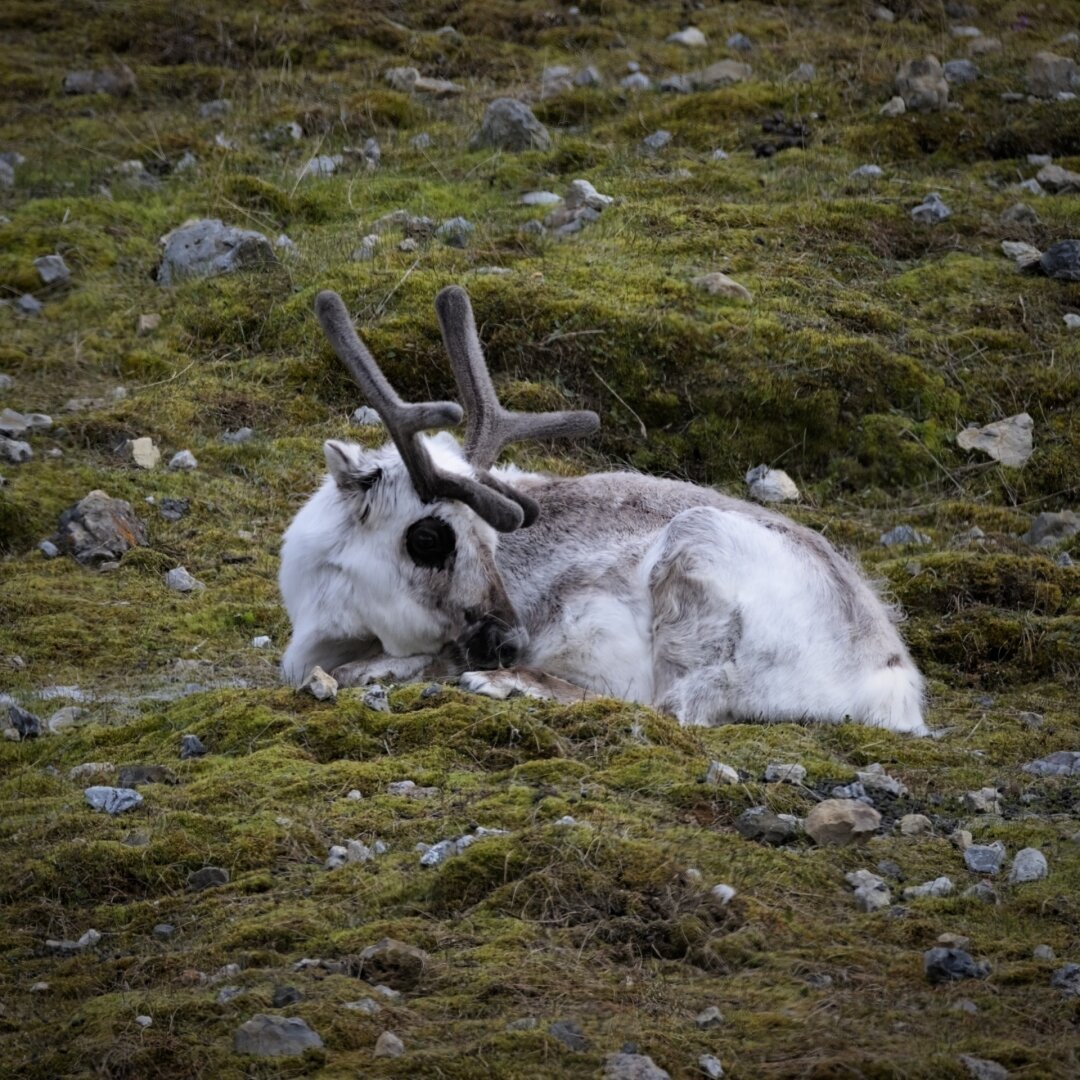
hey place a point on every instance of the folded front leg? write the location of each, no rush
(503, 683)
(391, 669)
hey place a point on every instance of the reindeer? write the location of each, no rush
(426, 559)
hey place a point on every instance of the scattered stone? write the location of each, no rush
(875, 778)
(29, 305)
(320, 685)
(984, 858)
(6, 382)
(1058, 180)
(52, 269)
(776, 773)
(1062, 260)
(893, 108)
(118, 81)
(1029, 864)
(711, 1067)
(540, 198)
(1050, 528)
(904, 535)
(771, 485)
(718, 284)
(915, 825)
(274, 1036)
(25, 724)
(455, 232)
(588, 76)
(922, 85)
(871, 893)
(1006, 441)
(511, 125)
(1020, 214)
(982, 1069)
(960, 72)
(982, 891)
(180, 580)
(1043, 952)
(209, 877)
(690, 38)
(235, 438)
(709, 1018)
(389, 1045)
(164, 930)
(623, 1066)
(1059, 763)
(931, 210)
(986, 800)
(1050, 75)
(1067, 979)
(942, 965)
(420, 142)
(719, 773)
(941, 886)
(838, 822)
(804, 73)
(740, 43)
(367, 1006)
(227, 993)
(722, 73)
(208, 247)
(147, 324)
(14, 451)
(183, 459)
(1032, 187)
(1026, 256)
(1072, 320)
(654, 143)
(722, 895)
(191, 746)
(636, 81)
(867, 172)
(209, 110)
(394, 963)
(676, 84)
(570, 1035)
(142, 452)
(134, 775)
(112, 800)
(761, 824)
(90, 938)
(71, 716)
(87, 769)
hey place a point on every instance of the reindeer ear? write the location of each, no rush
(350, 467)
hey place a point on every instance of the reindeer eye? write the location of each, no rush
(429, 542)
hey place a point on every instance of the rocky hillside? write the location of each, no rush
(836, 240)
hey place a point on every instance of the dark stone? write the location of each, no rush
(173, 509)
(1062, 260)
(950, 965)
(99, 529)
(570, 1035)
(133, 775)
(285, 995)
(207, 878)
(191, 746)
(1067, 980)
(26, 724)
(393, 963)
(164, 930)
(761, 824)
(510, 125)
(274, 1036)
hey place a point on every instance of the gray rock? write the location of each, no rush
(395, 963)
(421, 141)
(98, 528)
(771, 485)
(690, 38)
(1058, 180)
(183, 459)
(134, 775)
(1043, 952)
(112, 800)
(88, 940)
(401, 78)
(164, 930)
(903, 535)
(376, 699)
(235, 438)
(722, 73)
(29, 305)
(118, 81)
(207, 248)
(455, 232)
(915, 825)
(1019, 214)
(740, 43)
(986, 800)
(540, 198)
(274, 1036)
(228, 993)
(389, 1045)
(1062, 260)
(367, 1006)
(321, 686)
(708, 1018)
(1050, 75)
(511, 125)
(1026, 256)
(710, 1066)
(636, 80)
(369, 245)
(985, 858)
(867, 172)
(570, 1035)
(6, 382)
(209, 877)
(941, 886)
(67, 718)
(875, 778)
(1050, 528)
(371, 153)
(982, 891)
(1067, 980)
(1032, 187)
(942, 965)
(654, 143)
(922, 85)
(960, 72)
(180, 580)
(589, 76)
(838, 822)
(1007, 441)
(983, 1069)
(173, 509)
(14, 451)
(761, 824)
(191, 746)
(25, 724)
(52, 269)
(804, 73)
(633, 1067)
(719, 773)
(208, 110)
(777, 773)
(1029, 864)
(1059, 763)
(931, 210)
(676, 84)
(893, 108)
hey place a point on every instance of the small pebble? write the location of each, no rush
(709, 1018)
(1044, 952)
(260, 642)
(710, 1066)
(183, 459)
(144, 1021)
(719, 773)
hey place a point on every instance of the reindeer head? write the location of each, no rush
(418, 520)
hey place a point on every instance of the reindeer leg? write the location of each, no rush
(503, 683)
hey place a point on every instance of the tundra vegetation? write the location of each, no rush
(871, 340)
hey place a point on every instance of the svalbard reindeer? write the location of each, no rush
(424, 558)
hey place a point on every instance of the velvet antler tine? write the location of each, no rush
(490, 427)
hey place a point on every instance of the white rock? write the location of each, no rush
(710, 1066)
(356, 795)
(771, 485)
(143, 452)
(1072, 321)
(1007, 441)
(893, 107)
(322, 165)
(1028, 865)
(144, 1021)
(540, 198)
(321, 686)
(183, 459)
(581, 194)
(722, 894)
(260, 642)
(719, 773)
(941, 886)
(690, 38)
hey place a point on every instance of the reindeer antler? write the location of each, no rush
(500, 506)
(490, 427)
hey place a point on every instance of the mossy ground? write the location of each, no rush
(871, 341)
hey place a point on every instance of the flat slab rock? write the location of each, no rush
(510, 125)
(209, 247)
(1008, 441)
(99, 528)
(1059, 763)
(274, 1036)
(633, 1067)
